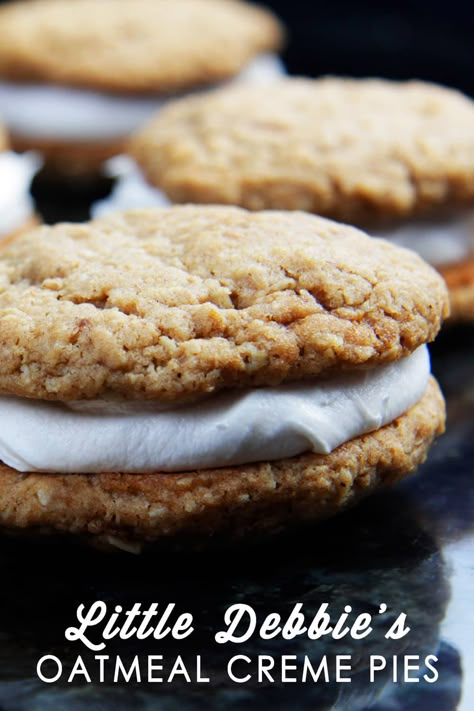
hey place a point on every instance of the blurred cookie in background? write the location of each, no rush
(17, 211)
(396, 158)
(77, 77)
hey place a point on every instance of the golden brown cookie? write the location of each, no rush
(350, 149)
(120, 509)
(180, 302)
(132, 45)
(460, 281)
(177, 303)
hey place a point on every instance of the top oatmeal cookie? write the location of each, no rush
(354, 150)
(132, 45)
(178, 302)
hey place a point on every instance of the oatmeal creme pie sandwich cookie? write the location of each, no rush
(395, 158)
(76, 78)
(206, 370)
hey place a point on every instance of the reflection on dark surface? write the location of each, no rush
(442, 696)
(444, 488)
(356, 559)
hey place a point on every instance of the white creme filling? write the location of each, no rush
(237, 427)
(61, 113)
(130, 191)
(16, 203)
(440, 241)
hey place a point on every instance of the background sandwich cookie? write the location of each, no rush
(202, 370)
(395, 158)
(75, 89)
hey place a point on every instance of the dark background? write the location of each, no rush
(401, 39)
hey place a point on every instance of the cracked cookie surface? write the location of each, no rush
(354, 150)
(179, 302)
(132, 45)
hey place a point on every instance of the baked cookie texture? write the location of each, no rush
(118, 509)
(135, 46)
(180, 302)
(354, 150)
(460, 281)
